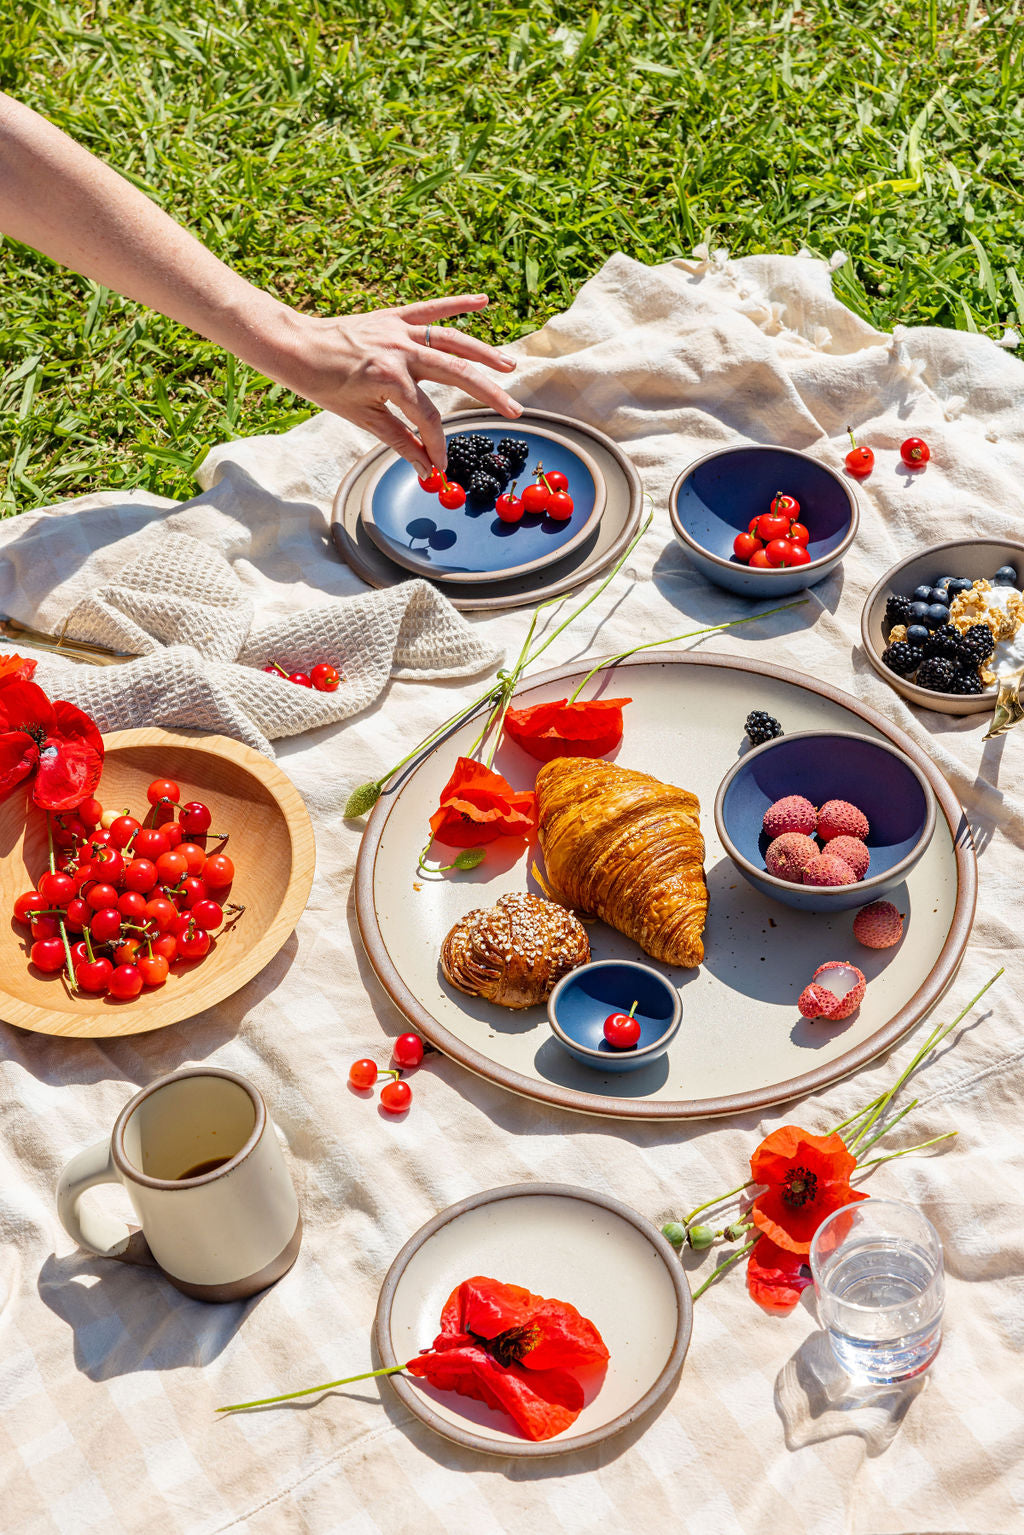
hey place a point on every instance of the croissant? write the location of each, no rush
(627, 848)
(516, 952)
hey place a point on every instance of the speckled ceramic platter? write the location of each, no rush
(615, 527)
(471, 544)
(742, 1044)
(563, 1243)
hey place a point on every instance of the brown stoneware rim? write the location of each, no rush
(422, 1407)
(926, 996)
(480, 601)
(466, 578)
(134, 1174)
(655, 1047)
(834, 555)
(925, 697)
(868, 886)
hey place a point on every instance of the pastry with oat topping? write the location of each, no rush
(516, 952)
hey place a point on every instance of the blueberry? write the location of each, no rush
(940, 594)
(942, 583)
(922, 594)
(918, 611)
(936, 615)
(1004, 576)
(917, 634)
(959, 584)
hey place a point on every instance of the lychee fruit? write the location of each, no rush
(826, 870)
(838, 818)
(836, 990)
(789, 855)
(878, 926)
(794, 813)
(852, 851)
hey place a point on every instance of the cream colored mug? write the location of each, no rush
(200, 1160)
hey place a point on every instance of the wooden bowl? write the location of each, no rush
(270, 843)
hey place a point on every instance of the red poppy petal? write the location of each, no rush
(541, 1403)
(775, 1277)
(792, 1147)
(24, 706)
(567, 1340)
(486, 1307)
(18, 757)
(17, 668)
(596, 717)
(472, 817)
(563, 729)
(533, 721)
(68, 773)
(74, 724)
(792, 1228)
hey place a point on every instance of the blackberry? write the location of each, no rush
(471, 445)
(761, 727)
(897, 610)
(966, 682)
(484, 487)
(497, 466)
(977, 643)
(936, 674)
(946, 642)
(903, 659)
(516, 450)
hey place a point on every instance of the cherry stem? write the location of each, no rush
(633, 1009)
(289, 1396)
(87, 937)
(279, 668)
(853, 439)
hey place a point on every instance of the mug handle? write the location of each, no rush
(92, 1229)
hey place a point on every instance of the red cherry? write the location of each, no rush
(57, 889)
(798, 555)
(744, 545)
(79, 953)
(859, 461)
(174, 833)
(452, 497)
(94, 975)
(560, 507)
(165, 945)
(759, 560)
(557, 480)
(192, 890)
(132, 904)
(170, 867)
(123, 830)
(780, 552)
(218, 872)
(408, 1050)
(363, 1073)
(140, 875)
(125, 952)
(509, 508)
(786, 506)
(207, 914)
(125, 982)
(622, 1030)
(108, 865)
(194, 943)
(79, 913)
(300, 679)
(770, 526)
(915, 452)
(97, 839)
(536, 498)
(45, 927)
(434, 481)
(99, 895)
(798, 534)
(153, 968)
(106, 924)
(90, 813)
(193, 855)
(325, 678)
(30, 901)
(396, 1097)
(150, 843)
(161, 912)
(163, 789)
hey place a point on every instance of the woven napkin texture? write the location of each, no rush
(176, 602)
(109, 1378)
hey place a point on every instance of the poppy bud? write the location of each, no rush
(737, 1231)
(470, 857)
(361, 800)
(674, 1233)
(700, 1237)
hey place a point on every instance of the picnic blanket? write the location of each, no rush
(109, 1378)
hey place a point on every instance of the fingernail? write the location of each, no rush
(508, 360)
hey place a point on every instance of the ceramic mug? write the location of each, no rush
(200, 1160)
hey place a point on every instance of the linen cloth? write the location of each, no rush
(108, 1377)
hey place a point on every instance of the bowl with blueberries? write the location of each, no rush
(943, 626)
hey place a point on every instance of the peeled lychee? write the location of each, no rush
(838, 818)
(878, 926)
(826, 869)
(836, 991)
(852, 851)
(789, 855)
(794, 813)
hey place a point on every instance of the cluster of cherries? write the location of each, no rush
(122, 900)
(776, 538)
(547, 497)
(396, 1096)
(324, 677)
(915, 453)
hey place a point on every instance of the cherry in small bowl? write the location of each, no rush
(583, 1000)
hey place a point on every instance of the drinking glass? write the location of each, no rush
(877, 1268)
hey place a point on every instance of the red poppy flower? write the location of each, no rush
(501, 1345)
(478, 805)
(563, 729)
(17, 667)
(808, 1176)
(55, 741)
(776, 1277)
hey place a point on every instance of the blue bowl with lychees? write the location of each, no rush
(861, 780)
(717, 498)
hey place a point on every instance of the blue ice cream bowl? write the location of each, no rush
(583, 999)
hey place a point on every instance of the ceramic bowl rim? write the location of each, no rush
(658, 1044)
(475, 577)
(823, 560)
(888, 877)
(908, 689)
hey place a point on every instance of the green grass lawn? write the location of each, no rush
(353, 155)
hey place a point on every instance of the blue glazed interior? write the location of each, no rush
(588, 998)
(720, 497)
(468, 539)
(823, 768)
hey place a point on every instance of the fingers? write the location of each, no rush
(387, 427)
(440, 369)
(434, 309)
(421, 411)
(458, 344)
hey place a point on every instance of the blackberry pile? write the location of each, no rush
(761, 727)
(935, 655)
(483, 470)
(465, 452)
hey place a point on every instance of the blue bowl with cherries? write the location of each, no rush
(718, 497)
(585, 999)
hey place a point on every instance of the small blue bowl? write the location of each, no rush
(717, 497)
(583, 999)
(876, 777)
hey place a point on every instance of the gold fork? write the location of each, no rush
(1009, 710)
(75, 650)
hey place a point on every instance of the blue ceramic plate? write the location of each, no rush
(411, 526)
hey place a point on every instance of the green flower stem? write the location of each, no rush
(921, 1145)
(721, 1267)
(329, 1385)
(675, 638)
(687, 1219)
(889, 1125)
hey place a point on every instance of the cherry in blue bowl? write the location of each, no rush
(585, 998)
